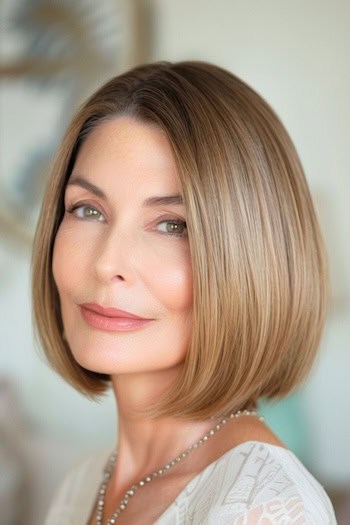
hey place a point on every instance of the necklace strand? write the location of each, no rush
(131, 492)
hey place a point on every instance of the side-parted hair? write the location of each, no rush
(260, 273)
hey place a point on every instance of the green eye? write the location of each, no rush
(175, 227)
(91, 213)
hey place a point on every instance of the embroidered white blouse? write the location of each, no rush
(254, 483)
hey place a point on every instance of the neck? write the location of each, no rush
(145, 444)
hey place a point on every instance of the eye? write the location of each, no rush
(174, 227)
(91, 212)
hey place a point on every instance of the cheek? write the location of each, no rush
(172, 283)
(58, 263)
(65, 262)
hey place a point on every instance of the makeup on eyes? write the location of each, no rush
(153, 201)
(178, 222)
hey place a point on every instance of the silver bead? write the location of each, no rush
(131, 492)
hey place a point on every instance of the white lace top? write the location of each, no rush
(254, 483)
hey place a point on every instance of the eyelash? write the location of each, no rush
(171, 220)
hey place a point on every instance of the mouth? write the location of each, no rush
(112, 324)
(111, 311)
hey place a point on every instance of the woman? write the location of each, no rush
(178, 198)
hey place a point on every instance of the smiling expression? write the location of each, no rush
(119, 245)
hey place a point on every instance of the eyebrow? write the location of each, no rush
(161, 200)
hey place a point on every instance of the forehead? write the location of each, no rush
(128, 151)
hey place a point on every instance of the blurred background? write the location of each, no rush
(53, 54)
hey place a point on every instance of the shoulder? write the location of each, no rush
(77, 490)
(257, 482)
(277, 486)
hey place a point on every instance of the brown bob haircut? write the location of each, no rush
(260, 273)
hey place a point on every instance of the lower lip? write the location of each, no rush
(112, 324)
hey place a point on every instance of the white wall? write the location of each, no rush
(296, 55)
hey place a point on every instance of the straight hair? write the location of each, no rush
(260, 273)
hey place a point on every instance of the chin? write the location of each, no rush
(104, 364)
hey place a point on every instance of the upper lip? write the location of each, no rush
(110, 311)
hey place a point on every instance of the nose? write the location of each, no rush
(114, 259)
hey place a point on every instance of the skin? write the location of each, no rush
(151, 276)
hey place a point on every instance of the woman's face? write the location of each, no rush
(119, 251)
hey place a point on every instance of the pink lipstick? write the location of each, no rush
(111, 319)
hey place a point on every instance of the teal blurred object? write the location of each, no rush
(287, 419)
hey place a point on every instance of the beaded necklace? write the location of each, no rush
(132, 491)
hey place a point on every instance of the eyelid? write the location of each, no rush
(163, 218)
(79, 204)
(178, 220)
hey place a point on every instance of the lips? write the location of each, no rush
(122, 322)
(110, 311)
